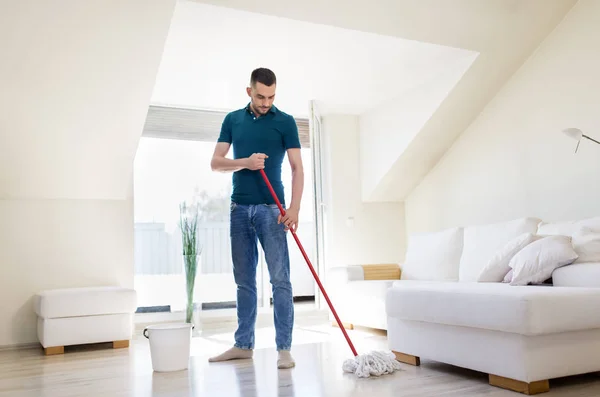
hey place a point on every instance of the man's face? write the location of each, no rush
(262, 97)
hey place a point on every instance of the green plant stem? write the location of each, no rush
(191, 252)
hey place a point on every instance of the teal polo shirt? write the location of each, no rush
(272, 134)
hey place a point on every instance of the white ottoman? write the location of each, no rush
(76, 316)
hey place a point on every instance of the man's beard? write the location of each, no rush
(262, 110)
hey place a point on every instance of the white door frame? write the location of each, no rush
(316, 144)
(320, 209)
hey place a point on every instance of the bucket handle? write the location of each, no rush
(145, 332)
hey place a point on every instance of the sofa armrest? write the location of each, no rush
(344, 274)
(382, 271)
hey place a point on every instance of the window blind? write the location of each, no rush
(197, 125)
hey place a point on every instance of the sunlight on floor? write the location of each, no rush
(215, 341)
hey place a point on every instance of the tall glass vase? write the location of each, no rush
(190, 264)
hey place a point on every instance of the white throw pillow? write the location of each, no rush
(535, 263)
(497, 268)
(481, 242)
(586, 243)
(433, 256)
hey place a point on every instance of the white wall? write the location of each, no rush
(386, 131)
(76, 81)
(377, 235)
(56, 244)
(513, 160)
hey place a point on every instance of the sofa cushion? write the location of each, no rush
(586, 242)
(526, 310)
(497, 268)
(481, 242)
(433, 256)
(535, 263)
(577, 275)
(585, 234)
(567, 228)
(85, 301)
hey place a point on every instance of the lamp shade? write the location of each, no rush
(574, 133)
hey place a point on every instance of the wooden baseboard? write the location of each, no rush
(529, 389)
(346, 325)
(19, 346)
(407, 359)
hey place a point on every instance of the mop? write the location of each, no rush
(375, 363)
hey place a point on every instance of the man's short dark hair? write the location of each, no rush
(264, 76)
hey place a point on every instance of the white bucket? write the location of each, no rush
(169, 346)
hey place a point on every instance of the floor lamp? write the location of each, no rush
(577, 134)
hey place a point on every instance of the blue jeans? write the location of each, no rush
(249, 225)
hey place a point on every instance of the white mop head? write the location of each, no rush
(375, 363)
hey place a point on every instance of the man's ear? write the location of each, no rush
(249, 91)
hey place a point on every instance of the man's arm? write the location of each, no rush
(221, 163)
(295, 158)
(291, 215)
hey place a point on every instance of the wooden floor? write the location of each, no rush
(319, 349)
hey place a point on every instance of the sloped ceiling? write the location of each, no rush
(503, 32)
(210, 52)
(75, 93)
(76, 81)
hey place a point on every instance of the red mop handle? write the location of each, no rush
(264, 175)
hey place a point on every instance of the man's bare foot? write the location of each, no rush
(235, 353)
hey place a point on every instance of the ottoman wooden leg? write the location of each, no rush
(529, 389)
(120, 344)
(50, 351)
(407, 359)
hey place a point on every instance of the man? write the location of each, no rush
(261, 135)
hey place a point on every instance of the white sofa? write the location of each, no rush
(522, 335)
(358, 293)
(77, 316)
(456, 303)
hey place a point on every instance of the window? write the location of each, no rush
(172, 164)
